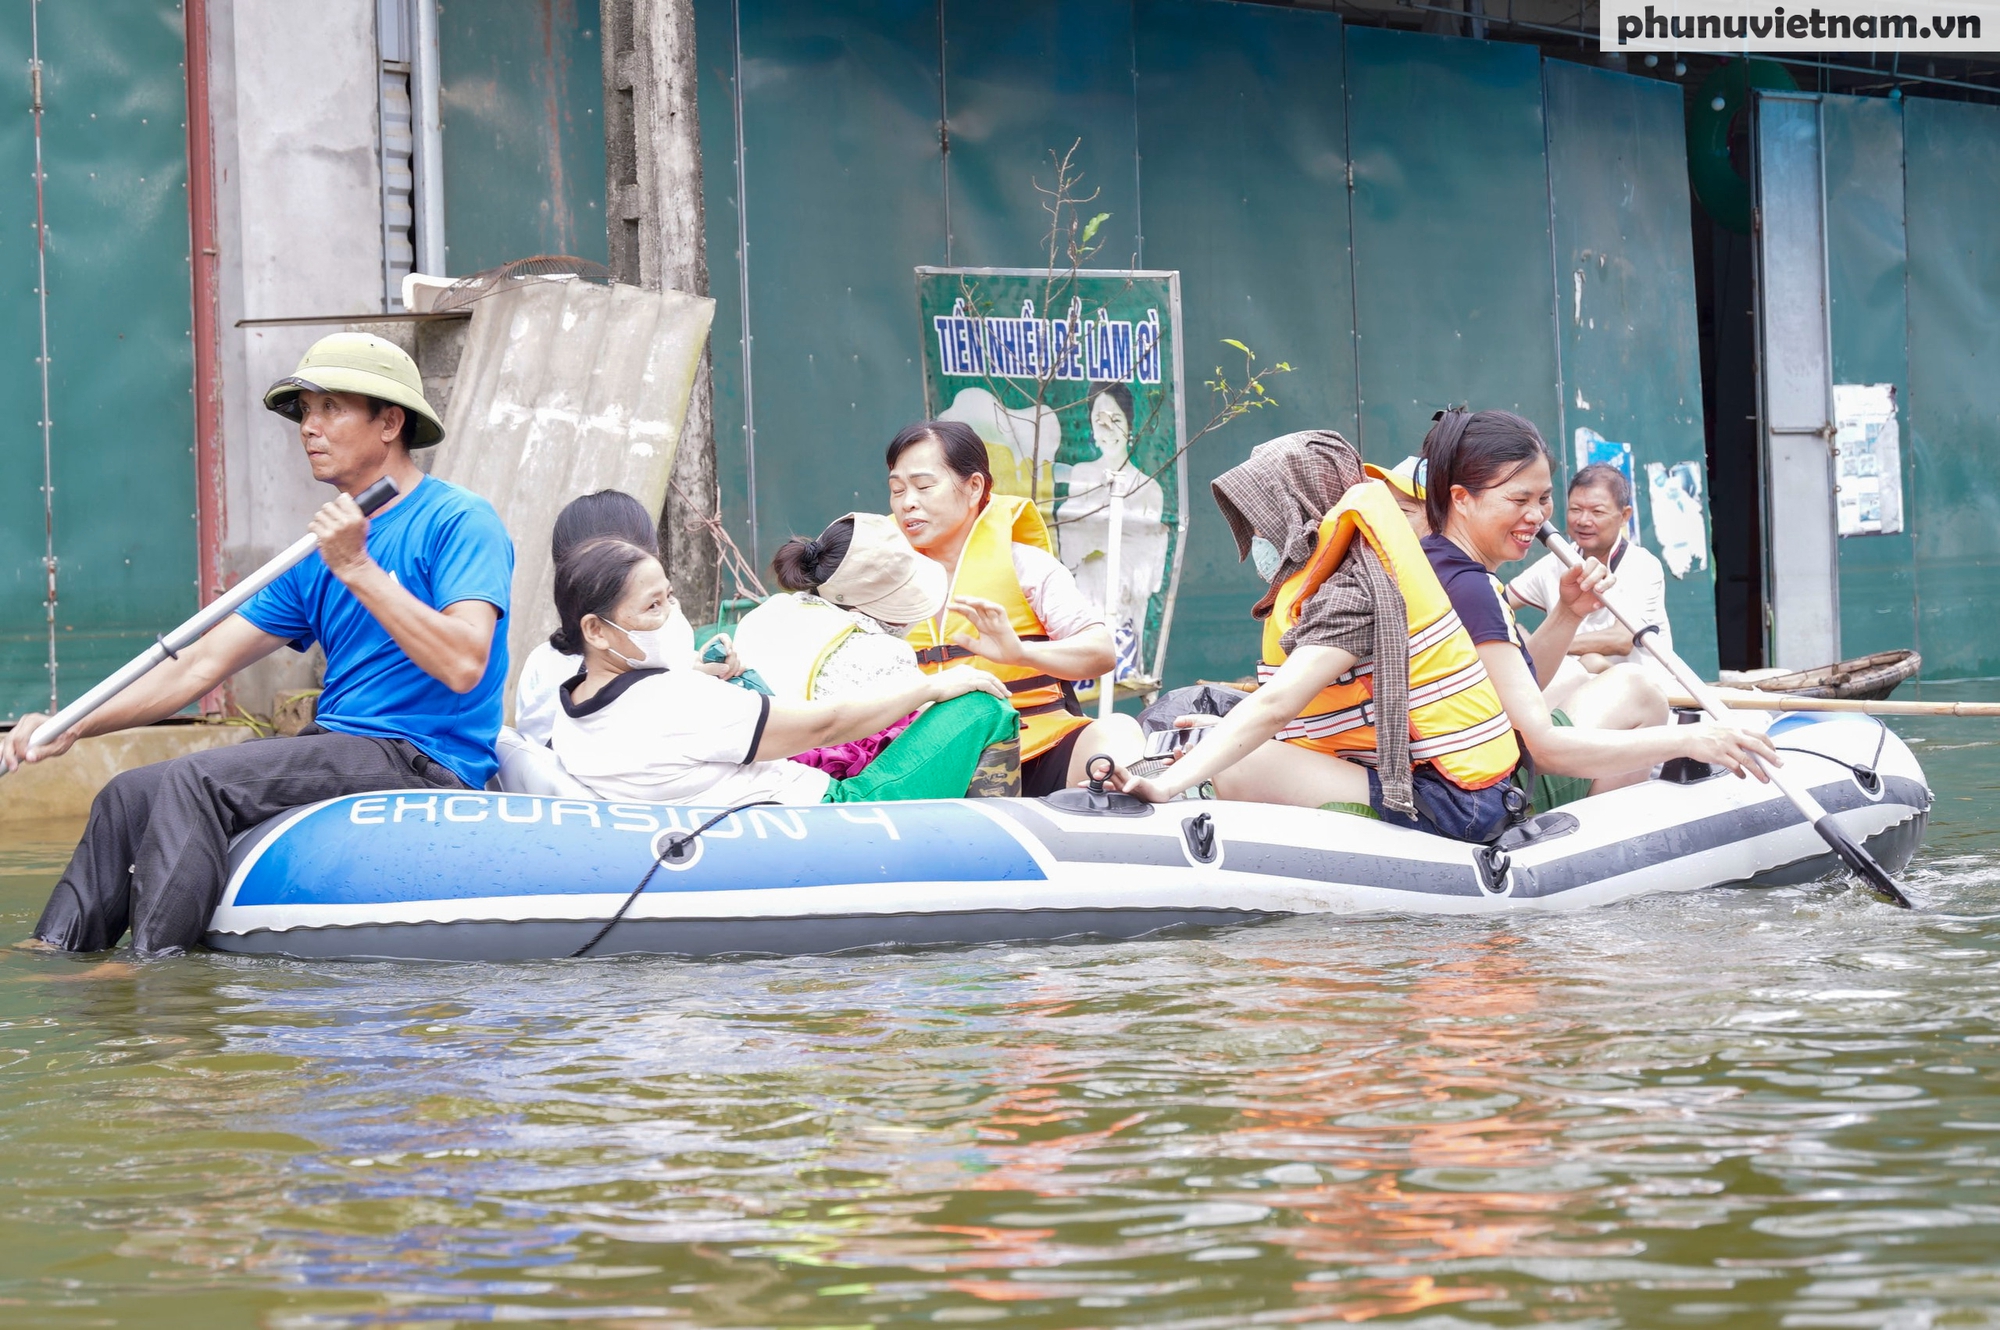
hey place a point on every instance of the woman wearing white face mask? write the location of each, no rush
(592, 517)
(633, 726)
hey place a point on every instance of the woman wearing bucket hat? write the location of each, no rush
(853, 590)
(1406, 486)
(407, 606)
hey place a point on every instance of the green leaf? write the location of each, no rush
(1090, 228)
(1231, 341)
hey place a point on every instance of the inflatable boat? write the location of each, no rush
(516, 875)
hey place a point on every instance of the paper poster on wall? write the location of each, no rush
(1869, 459)
(1593, 449)
(1073, 381)
(1673, 495)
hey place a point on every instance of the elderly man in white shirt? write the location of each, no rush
(1600, 513)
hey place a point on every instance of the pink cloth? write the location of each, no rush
(850, 759)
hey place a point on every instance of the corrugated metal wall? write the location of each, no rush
(120, 359)
(1951, 175)
(1625, 294)
(1219, 136)
(1866, 275)
(1912, 190)
(521, 94)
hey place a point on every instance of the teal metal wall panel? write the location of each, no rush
(1022, 79)
(715, 71)
(1243, 140)
(522, 96)
(1453, 291)
(844, 199)
(24, 677)
(120, 351)
(1952, 184)
(1630, 345)
(1865, 260)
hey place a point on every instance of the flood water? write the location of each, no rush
(1742, 1108)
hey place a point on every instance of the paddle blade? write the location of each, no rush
(1860, 862)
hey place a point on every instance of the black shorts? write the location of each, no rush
(1048, 771)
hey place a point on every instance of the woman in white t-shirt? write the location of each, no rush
(592, 517)
(632, 725)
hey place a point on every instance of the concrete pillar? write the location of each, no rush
(654, 213)
(298, 220)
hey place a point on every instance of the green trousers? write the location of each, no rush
(936, 757)
(1555, 791)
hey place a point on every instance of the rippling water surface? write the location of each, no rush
(1734, 1108)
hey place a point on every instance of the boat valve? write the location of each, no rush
(1094, 796)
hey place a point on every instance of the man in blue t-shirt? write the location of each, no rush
(407, 606)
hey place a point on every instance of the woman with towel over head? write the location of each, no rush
(1372, 698)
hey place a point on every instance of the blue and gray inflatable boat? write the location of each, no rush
(519, 873)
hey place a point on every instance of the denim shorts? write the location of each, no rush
(1445, 809)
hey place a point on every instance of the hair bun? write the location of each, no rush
(809, 558)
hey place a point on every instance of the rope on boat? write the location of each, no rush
(675, 846)
(1863, 771)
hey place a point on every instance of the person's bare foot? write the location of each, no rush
(35, 944)
(101, 970)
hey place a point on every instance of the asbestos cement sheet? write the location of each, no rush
(566, 388)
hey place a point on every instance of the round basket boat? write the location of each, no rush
(1866, 678)
(498, 875)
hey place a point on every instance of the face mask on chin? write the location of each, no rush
(1267, 557)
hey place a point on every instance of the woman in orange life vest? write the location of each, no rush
(1488, 492)
(1373, 699)
(1015, 611)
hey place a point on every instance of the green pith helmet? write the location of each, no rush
(351, 362)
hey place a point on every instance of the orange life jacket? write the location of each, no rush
(1456, 721)
(1048, 706)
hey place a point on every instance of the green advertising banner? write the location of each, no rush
(1073, 380)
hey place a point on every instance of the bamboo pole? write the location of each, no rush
(1751, 699)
